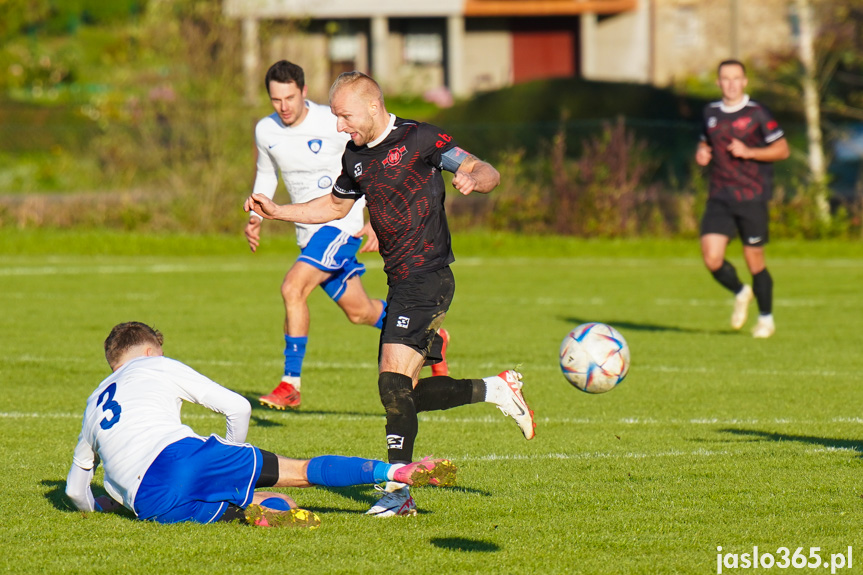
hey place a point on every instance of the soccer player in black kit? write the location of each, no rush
(740, 140)
(396, 165)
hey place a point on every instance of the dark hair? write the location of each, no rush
(731, 63)
(285, 72)
(127, 335)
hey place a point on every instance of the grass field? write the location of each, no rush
(714, 439)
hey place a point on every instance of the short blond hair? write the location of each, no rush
(362, 85)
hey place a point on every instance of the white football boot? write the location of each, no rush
(741, 307)
(397, 500)
(764, 328)
(504, 390)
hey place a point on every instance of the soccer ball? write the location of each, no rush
(594, 357)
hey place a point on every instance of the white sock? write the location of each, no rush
(293, 380)
(391, 473)
(496, 390)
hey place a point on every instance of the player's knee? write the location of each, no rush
(713, 261)
(360, 317)
(292, 293)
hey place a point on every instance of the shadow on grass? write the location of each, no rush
(366, 496)
(464, 544)
(630, 326)
(264, 422)
(56, 495)
(852, 444)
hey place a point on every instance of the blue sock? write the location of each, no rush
(295, 351)
(341, 471)
(276, 503)
(380, 322)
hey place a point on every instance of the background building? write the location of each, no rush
(465, 46)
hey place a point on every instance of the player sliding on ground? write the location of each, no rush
(162, 471)
(395, 165)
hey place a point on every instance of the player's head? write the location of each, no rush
(731, 78)
(285, 72)
(130, 340)
(357, 101)
(286, 85)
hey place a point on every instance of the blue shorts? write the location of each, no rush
(334, 251)
(195, 479)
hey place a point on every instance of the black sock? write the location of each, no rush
(762, 285)
(444, 392)
(397, 396)
(727, 276)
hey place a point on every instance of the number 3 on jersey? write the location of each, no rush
(110, 405)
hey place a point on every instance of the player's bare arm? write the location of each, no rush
(474, 175)
(318, 211)
(703, 154)
(774, 152)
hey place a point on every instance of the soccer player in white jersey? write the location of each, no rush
(162, 471)
(300, 140)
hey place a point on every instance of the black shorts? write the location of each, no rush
(416, 308)
(748, 220)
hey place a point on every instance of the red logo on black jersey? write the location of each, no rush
(444, 140)
(772, 125)
(394, 156)
(742, 123)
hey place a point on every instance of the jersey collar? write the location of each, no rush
(385, 133)
(737, 107)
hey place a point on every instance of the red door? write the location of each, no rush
(542, 49)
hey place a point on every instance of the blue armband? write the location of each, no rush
(452, 159)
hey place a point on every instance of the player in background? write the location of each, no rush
(740, 141)
(162, 471)
(300, 140)
(395, 164)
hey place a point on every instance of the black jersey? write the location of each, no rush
(401, 180)
(736, 179)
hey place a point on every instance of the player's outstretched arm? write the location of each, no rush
(318, 211)
(474, 175)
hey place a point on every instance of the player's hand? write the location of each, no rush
(739, 150)
(253, 232)
(107, 504)
(261, 205)
(464, 182)
(703, 155)
(371, 244)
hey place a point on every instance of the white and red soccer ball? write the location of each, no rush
(594, 357)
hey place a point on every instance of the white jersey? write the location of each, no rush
(310, 158)
(135, 413)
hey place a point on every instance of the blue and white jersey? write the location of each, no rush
(135, 413)
(309, 156)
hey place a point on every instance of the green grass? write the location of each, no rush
(714, 439)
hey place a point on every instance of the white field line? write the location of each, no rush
(478, 368)
(373, 263)
(493, 419)
(674, 453)
(633, 455)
